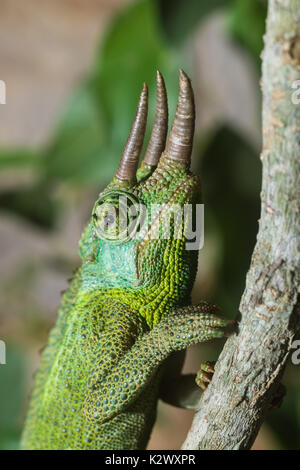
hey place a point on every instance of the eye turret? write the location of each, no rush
(117, 216)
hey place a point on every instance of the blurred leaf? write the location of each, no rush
(231, 188)
(132, 52)
(75, 152)
(9, 440)
(179, 18)
(247, 24)
(19, 158)
(34, 204)
(95, 127)
(11, 398)
(285, 421)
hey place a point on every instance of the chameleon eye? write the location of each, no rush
(116, 216)
(109, 219)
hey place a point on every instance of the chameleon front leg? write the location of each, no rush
(184, 390)
(111, 390)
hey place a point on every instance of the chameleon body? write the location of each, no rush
(127, 312)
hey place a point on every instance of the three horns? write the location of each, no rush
(179, 145)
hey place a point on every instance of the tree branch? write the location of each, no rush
(252, 362)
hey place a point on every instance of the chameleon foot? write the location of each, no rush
(205, 374)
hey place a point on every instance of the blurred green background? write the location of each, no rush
(74, 70)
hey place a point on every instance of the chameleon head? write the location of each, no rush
(148, 212)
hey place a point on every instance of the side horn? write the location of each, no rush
(157, 140)
(130, 157)
(180, 141)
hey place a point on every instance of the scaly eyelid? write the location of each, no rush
(120, 202)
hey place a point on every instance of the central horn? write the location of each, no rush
(157, 140)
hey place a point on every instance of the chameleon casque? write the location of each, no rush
(126, 319)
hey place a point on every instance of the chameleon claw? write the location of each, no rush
(205, 375)
(208, 367)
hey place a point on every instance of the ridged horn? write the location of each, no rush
(157, 140)
(130, 156)
(180, 141)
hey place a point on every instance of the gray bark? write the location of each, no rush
(252, 362)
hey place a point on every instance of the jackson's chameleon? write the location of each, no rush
(115, 348)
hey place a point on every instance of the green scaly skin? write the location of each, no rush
(125, 313)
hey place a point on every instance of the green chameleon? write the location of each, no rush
(126, 319)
